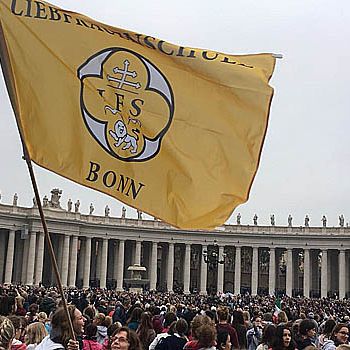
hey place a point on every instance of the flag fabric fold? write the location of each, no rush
(173, 131)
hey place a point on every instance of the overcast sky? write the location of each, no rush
(305, 165)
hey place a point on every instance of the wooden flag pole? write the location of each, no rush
(7, 71)
(48, 238)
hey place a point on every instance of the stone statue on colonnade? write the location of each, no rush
(15, 200)
(69, 205)
(76, 206)
(239, 218)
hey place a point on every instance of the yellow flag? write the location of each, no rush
(174, 131)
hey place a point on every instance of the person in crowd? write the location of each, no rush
(343, 347)
(60, 337)
(100, 322)
(176, 338)
(307, 333)
(145, 330)
(135, 318)
(7, 333)
(282, 318)
(42, 317)
(340, 336)
(169, 318)
(283, 339)
(125, 339)
(35, 333)
(223, 316)
(239, 326)
(223, 341)
(32, 314)
(90, 341)
(254, 334)
(110, 331)
(207, 337)
(119, 314)
(327, 333)
(156, 319)
(20, 330)
(20, 310)
(89, 313)
(246, 318)
(196, 323)
(268, 337)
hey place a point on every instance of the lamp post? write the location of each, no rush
(212, 258)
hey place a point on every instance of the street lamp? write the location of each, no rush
(212, 258)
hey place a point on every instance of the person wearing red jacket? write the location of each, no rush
(223, 325)
(90, 341)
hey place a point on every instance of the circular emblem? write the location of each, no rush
(126, 102)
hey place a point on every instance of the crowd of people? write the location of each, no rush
(33, 318)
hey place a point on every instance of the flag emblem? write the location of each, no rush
(117, 86)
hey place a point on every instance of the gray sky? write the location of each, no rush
(305, 161)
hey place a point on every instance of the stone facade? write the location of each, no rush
(97, 251)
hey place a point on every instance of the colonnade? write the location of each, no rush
(170, 266)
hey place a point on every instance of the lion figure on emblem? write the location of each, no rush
(120, 135)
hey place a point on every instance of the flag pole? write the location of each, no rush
(7, 72)
(47, 235)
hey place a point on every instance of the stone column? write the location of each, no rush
(31, 258)
(255, 269)
(3, 247)
(38, 275)
(170, 271)
(87, 262)
(25, 260)
(98, 260)
(120, 278)
(59, 255)
(104, 261)
(289, 273)
(115, 255)
(65, 261)
(153, 279)
(220, 286)
(342, 274)
(73, 262)
(204, 273)
(306, 273)
(272, 271)
(138, 253)
(238, 264)
(9, 257)
(187, 269)
(324, 274)
(81, 260)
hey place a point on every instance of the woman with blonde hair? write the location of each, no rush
(7, 333)
(36, 332)
(282, 318)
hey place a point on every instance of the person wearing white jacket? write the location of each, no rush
(340, 335)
